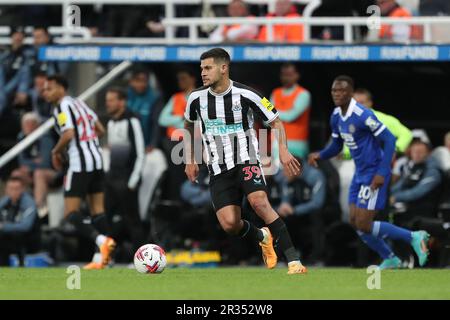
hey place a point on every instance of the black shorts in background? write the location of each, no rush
(229, 188)
(80, 184)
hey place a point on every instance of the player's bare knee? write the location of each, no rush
(259, 203)
(230, 228)
(230, 225)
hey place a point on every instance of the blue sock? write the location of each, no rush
(376, 244)
(381, 229)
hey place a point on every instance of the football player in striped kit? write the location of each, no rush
(225, 109)
(79, 128)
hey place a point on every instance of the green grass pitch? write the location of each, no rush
(224, 283)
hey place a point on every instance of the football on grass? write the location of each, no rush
(150, 258)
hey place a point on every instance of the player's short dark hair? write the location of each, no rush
(121, 93)
(345, 78)
(59, 79)
(364, 91)
(218, 54)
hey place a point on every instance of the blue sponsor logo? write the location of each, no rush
(218, 127)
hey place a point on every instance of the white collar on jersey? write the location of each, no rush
(350, 109)
(223, 93)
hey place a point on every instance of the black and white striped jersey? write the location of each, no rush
(227, 124)
(84, 152)
(127, 148)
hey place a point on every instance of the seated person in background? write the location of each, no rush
(235, 32)
(402, 165)
(35, 166)
(294, 203)
(305, 196)
(416, 189)
(14, 72)
(197, 194)
(283, 32)
(18, 227)
(416, 197)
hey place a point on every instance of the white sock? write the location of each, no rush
(100, 240)
(265, 234)
(294, 262)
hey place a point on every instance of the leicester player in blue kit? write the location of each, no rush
(372, 147)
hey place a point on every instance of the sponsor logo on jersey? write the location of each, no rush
(349, 140)
(236, 107)
(218, 127)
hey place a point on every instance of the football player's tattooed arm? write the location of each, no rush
(289, 162)
(191, 169)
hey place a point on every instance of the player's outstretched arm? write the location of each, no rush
(292, 165)
(330, 151)
(191, 169)
(313, 158)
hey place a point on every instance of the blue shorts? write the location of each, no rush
(362, 196)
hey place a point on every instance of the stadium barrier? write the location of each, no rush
(248, 53)
(71, 34)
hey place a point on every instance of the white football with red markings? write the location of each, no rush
(150, 258)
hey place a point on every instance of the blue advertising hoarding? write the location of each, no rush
(248, 53)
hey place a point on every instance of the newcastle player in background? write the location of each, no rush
(78, 127)
(225, 109)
